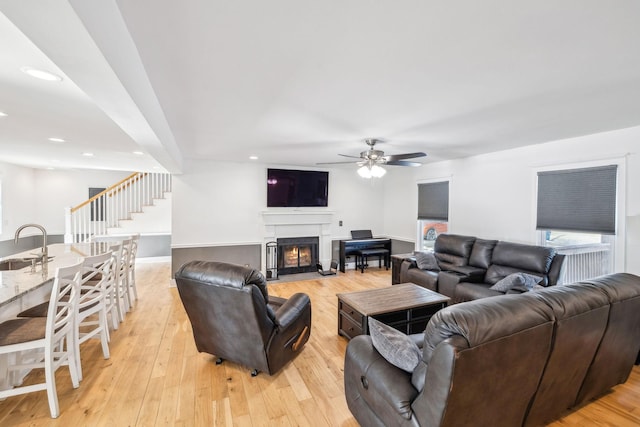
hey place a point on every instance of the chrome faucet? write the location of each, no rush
(45, 254)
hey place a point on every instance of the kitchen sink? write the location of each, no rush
(15, 264)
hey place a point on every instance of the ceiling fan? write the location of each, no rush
(371, 159)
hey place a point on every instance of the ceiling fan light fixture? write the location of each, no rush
(377, 171)
(364, 172)
(371, 171)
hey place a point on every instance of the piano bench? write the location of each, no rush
(363, 254)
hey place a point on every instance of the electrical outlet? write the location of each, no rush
(340, 223)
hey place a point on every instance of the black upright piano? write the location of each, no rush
(361, 239)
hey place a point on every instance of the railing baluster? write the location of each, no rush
(114, 204)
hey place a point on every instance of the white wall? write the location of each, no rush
(40, 196)
(494, 195)
(18, 201)
(58, 189)
(218, 204)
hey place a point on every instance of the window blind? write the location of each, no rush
(433, 201)
(578, 200)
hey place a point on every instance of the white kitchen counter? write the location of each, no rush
(21, 289)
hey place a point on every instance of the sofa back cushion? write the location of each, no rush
(493, 347)
(453, 250)
(481, 253)
(508, 258)
(581, 314)
(620, 343)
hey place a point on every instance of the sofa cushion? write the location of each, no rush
(397, 348)
(529, 281)
(484, 320)
(425, 278)
(467, 291)
(481, 253)
(426, 261)
(535, 259)
(453, 249)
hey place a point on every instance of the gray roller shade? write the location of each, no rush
(433, 201)
(578, 200)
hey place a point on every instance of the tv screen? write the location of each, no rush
(296, 188)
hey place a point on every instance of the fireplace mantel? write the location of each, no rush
(296, 217)
(299, 223)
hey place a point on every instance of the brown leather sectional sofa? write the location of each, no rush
(517, 360)
(470, 266)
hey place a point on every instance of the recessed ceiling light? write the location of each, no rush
(3, 114)
(139, 153)
(253, 157)
(41, 74)
(56, 140)
(87, 154)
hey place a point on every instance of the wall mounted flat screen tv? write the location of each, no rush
(297, 188)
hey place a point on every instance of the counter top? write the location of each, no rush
(15, 284)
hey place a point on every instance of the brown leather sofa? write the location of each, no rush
(470, 266)
(233, 317)
(518, 360)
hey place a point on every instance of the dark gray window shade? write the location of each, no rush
(433, 201)
(578, 200)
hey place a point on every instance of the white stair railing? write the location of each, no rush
(106, 209)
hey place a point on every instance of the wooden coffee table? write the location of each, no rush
(407, 307)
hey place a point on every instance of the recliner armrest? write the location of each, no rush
(290, 311)
(372, 384)
(471, 273)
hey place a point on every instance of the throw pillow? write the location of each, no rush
(426, 261)
(529, 281)
(396, 347)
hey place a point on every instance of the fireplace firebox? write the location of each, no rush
(297, 255)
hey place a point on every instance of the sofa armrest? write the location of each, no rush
(470, 273)
(373, 385)
(406, 264)
(292, 309)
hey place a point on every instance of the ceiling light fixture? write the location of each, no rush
(3, 114)
(138, 153)
(41, 74)
(253, 157)
(87, 154)
(56, 140)
(371, 170)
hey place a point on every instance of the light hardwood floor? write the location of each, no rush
(155, 376)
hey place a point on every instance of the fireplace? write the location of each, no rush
(297, 255)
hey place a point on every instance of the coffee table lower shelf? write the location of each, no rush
(406, 307)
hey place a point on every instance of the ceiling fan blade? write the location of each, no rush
(353, 157)
(338, 163)
(402, 163)
(394, 157)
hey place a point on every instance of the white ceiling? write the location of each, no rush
(297, 82)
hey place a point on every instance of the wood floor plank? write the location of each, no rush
(155, 375)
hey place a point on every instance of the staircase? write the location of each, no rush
(113, 210)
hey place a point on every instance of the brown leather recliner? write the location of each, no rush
(234, 318)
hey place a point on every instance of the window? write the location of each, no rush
(577, 215)
(433, 213)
